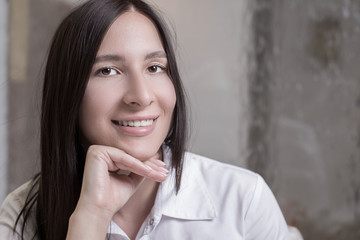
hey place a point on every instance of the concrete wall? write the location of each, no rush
(31, 28)
(313, 120)
(3, 97)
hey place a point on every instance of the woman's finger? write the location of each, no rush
(157, 165)
(117, 159)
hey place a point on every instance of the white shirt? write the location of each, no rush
(215, 201)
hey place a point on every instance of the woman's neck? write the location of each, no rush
(131, 216)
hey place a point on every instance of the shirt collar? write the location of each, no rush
(192, 202)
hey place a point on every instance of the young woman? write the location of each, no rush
(113, 132)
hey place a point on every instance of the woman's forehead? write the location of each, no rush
(131, 31)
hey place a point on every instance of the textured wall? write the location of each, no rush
(311, 81)
(30, 32)
(3, 98)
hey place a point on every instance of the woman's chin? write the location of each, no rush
(144, 154)
(143, 157)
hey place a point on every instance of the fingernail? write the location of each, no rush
(164, 170)
(161, 162)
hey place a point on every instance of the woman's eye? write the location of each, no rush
(108, 71)
(155, 68)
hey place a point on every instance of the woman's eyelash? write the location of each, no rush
(110, 71)
(155, 67)
(106, 71)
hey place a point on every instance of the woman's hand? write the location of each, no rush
(104, 191)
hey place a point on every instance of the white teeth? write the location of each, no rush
(142, 123)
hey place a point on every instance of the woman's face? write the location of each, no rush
(129, 99)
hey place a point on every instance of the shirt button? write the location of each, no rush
(151, 222)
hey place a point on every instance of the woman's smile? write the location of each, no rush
(136, 128)
(135, 123)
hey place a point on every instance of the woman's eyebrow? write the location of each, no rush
(118, 58)
(108, 58)
(157, 54)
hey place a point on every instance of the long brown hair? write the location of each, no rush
(71, 57)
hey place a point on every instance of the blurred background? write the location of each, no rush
(273, 85)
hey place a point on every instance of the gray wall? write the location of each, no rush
(3, 98)
(315, 119)
(273, 85)
(33, 22)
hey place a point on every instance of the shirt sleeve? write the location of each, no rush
(264, 219)
(8, 214)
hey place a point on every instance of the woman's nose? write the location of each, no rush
(139, 92)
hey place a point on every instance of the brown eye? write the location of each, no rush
(156, 69)
(107, 71)
(153, 69)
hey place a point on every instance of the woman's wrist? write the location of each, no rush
(88, 222)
